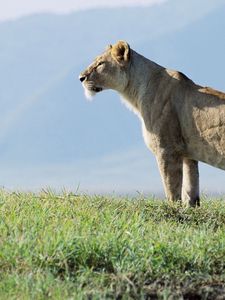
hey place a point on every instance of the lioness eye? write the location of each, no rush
(101, 63)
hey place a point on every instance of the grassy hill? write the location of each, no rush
(71, 246)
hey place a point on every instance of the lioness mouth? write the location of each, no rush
(97, 89)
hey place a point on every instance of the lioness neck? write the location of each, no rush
(139, 68)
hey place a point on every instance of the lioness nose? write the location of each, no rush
(82, 78)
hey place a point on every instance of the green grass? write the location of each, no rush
(93, 247)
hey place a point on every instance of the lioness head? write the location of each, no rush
(108, 71)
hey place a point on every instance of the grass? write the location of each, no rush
(93, 247)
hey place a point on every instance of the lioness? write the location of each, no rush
(182, 122)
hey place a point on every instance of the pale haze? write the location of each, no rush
(12, 9)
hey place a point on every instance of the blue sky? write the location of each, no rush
(128, 169)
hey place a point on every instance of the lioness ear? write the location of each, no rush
(121, 52)
(109, 47)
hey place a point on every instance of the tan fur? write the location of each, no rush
(182, 122)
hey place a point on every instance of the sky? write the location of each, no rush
(13, 9)
(114, 167)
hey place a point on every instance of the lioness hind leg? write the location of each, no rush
(170, 167)
(190, 186)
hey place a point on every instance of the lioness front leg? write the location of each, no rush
(170, 167)
(190, 186)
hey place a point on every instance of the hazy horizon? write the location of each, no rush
(12, 9)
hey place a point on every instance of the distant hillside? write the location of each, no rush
(44, 116)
